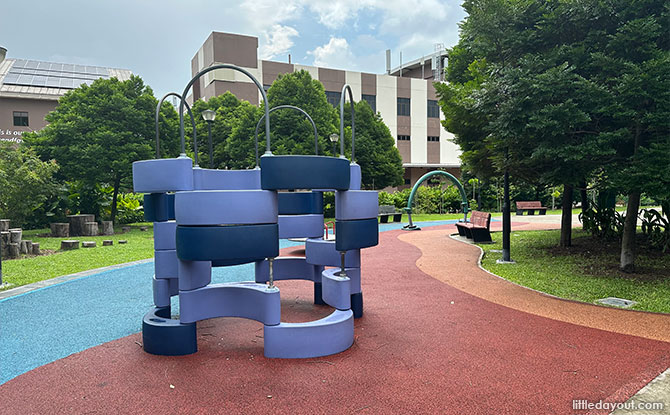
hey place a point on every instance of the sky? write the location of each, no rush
(157, 39)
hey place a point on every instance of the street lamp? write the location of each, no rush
(209, 115)
(333, 139)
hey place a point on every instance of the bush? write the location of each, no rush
(428, 199)
(129, 208)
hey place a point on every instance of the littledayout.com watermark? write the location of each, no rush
(586, 405)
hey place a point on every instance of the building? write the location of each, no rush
(30, 89)
(404, 96)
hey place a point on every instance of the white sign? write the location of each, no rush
(13, 136)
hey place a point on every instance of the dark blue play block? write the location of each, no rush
(236, 244)
(304, 172)
(356, 234)
(300, 203)
(158, 207)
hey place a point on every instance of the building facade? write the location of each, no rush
(405, 97)
(30, 89)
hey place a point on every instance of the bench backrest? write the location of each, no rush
(478, 218)
(528, 204)
(386, 209)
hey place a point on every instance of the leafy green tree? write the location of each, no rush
(96, 132)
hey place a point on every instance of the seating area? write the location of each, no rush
(387, 211)
(530, 207)
(478, 229)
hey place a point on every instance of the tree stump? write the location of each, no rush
(91, 229)
(67, 245)
(78, 222)
(15, 235)
(13, 250)
(88, 244)
(36, 248)
(144, 228)
(122, 241)
(125, 229)
(4, 244)
(107, 227)
(107, 242)
(4, 225)
(26, 247)
(60, 230)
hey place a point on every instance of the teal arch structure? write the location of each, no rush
(410, 201)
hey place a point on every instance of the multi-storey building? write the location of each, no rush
(30, 89)
(404, 96)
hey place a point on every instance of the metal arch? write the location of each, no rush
(158, 109)
(316, 134)
(425, 177)
(209, 69)
(346, 87)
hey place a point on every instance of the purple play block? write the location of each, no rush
(163, 175)
(163, 290)
(330, 335)
(320, 252)
(301, 226)
(226, 207)
(165, 264)
(164, 235)
(288, 268)
(336, 290)
(356, 204)
(209, 179)
(194, 274)
(239, 299)
(354, 275)
(354, 176)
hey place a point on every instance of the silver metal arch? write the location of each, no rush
(158, 109)
(346, 87)
(316, 134)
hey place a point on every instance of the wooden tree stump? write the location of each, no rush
(144, 228)
(13, 250)
(36, 248)
(60, 230)
(122, 241)
(15, 235)
(107, 242)
(78, 222)
(4, 225)
(4, 244)
(107, 227)
(67, 245)
(91, 229)
(125, 229)
(26, 247)
(88, 244)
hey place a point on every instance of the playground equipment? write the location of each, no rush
(206, 218)
(464, 204)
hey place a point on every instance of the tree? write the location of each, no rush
(96, 132)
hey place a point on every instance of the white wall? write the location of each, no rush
(419, 121)
(449, 152)
(354, 81)
(387, 105)
(313, 70)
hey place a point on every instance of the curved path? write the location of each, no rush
(423, 346)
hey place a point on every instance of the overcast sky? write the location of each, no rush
(156, 39)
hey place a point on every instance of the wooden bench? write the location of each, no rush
(530, 207)
(478, 229)
(386, 211)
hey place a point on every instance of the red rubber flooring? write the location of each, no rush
(422, 347)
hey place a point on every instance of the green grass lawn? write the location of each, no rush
(55, 263)
(585, 272)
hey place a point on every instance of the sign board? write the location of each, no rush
(14, 136)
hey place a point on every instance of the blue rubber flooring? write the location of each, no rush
(53, 322)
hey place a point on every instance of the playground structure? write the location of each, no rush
(410, 201)
(206, 218)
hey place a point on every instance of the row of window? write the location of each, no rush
(430, 138)
(20, 119)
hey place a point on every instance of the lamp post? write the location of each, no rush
(506, 219)
(209, 115)
(333, 139)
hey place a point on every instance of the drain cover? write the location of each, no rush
(617, 302)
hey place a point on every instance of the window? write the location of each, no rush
(403, 106)
(433, 109)
(20, 119)
(433, 138)
(333, 98)
(266, 88)
(371, 100)
(408, 181)
(403, 138)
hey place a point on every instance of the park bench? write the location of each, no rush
(530, 207)
(478, 229)
(386, 211)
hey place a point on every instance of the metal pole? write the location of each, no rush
(211, 146)
(507, 228)
(343, 273)
(271, 278)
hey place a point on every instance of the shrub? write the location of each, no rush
(129, 208)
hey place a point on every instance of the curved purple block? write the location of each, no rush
(355, 176)
(288, 268)
(320, 252)
(163, 175)
(336, 290)
(211, 179)
(245, 300)
(194, 274)
(165, 264)
(300, 226)
(164, 289)
(356, 204)
(226, 207)
(330, 335)
(164, 235)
